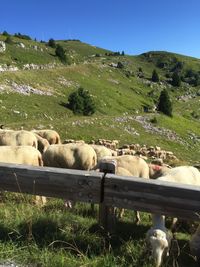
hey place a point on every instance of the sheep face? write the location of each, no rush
(159, 245)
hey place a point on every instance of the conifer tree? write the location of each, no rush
(164, 103)
(155, 77)
(176, 80)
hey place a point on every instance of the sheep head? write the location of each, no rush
(159, 243)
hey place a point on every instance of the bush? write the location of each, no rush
(176, 80)
(164, 103)
(80, 102)
(60, 52)
(155, 77)
(9, 40)
(22, 36)
(52, 43)
(5, 33)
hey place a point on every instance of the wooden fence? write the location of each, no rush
(103, 188)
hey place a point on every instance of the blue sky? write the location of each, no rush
(133, 26)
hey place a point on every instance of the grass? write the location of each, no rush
(54, 236)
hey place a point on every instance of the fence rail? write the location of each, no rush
(103, 188)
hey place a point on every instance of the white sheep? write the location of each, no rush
(184, 175)
(131, 166)
(42, 143)
(51, 135)
(158, 238)
(22, 155)
(70, 156)
(103, 151)
(17, 138)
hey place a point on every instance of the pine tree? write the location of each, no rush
(60, 52)
(52, 43)
(164, 103)
(155, 77)
(176, 80)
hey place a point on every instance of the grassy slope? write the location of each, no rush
(52, 236)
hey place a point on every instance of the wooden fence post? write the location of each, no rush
(107, 218)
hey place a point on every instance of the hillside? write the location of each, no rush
(35, 86)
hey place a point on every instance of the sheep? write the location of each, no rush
(158, 238)
(22, 155)
(195, 245)
(17, 138)
(71, 156)
(103, 151)
(123, 172)
(42, 143)
(134, 165)
(52, 136)
(181, 174)
(156, 171)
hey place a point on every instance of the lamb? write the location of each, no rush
(182, 174)
(71, 156)
(52, 136)
(22, 155)
(17, 138)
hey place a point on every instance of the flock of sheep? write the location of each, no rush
(44, 148)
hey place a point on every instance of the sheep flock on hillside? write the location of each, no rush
(45, 148)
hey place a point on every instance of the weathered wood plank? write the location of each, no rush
(107, 217)
(52, 182)
(153, 196)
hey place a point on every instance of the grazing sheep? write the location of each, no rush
(17, 138)
(195, 245)
(71, 156)
(134, 166)
(158, 238)
(22, 155)
(103, 151)
(123, 172)
(51, 135)
(156, 171)
(184, 175)
(42, 143)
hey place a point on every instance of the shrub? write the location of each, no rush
(120, 65)
(22, 36)
(52, 43)
(164, 103)
(176, 80)
(9, 40)
(155, 77)
(80, 102)
(60, 52)
(5, 33)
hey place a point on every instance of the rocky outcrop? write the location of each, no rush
(2, 46)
